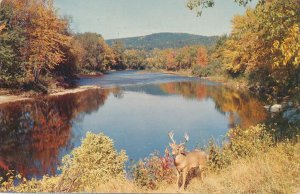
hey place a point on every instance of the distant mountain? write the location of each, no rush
(165, 40)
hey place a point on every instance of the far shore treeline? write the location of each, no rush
(39, 51)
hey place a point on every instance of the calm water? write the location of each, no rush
(135, 109)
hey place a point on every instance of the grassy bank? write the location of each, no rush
(251, 163)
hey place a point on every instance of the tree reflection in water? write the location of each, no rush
(32, 133)
(241, 107)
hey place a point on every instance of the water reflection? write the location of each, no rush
(243, 109)
(34, 135)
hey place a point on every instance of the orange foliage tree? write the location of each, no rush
(178, 59)
(170, 59)
(202, 57)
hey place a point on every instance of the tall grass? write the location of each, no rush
(274, 171)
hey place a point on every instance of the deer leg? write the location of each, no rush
(200, 173)
(178, 178)
(184, 174)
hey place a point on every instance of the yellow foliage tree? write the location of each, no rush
(264, 46)
(45, 37)
(289, 48)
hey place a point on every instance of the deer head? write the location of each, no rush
(177, 148)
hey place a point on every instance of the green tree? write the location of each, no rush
(11, 40)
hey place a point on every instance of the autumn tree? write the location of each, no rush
(35, 42)
(118, 50)
(202, 57)
(238, 54)
(169, 55)
(36, 36)
(135, 59)
(45, 36)
(92, 53)
(109, 57)
(264, 46)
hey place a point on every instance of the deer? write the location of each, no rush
(185, 161)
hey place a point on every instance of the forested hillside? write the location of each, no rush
(165, 40)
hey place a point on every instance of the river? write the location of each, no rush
(135, 109)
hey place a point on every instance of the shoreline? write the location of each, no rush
(9, 98)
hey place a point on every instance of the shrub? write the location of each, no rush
(241, 143)
(153, 170)
(95, 161)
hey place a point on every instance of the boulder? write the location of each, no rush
(276, 108)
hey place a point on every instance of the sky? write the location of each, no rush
(129, 18)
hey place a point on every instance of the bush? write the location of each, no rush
(242, 143)
(95, 161)
(154, 170)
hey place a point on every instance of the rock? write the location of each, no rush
(289, 113)
(276, 108)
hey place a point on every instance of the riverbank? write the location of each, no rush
(7, 97)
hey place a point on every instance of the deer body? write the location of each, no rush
(190, 160)
(185, 161)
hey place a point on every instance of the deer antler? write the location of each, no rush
(186, 138)
(171, 135)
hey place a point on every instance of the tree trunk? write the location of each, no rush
(36, 73)
(38, 85)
